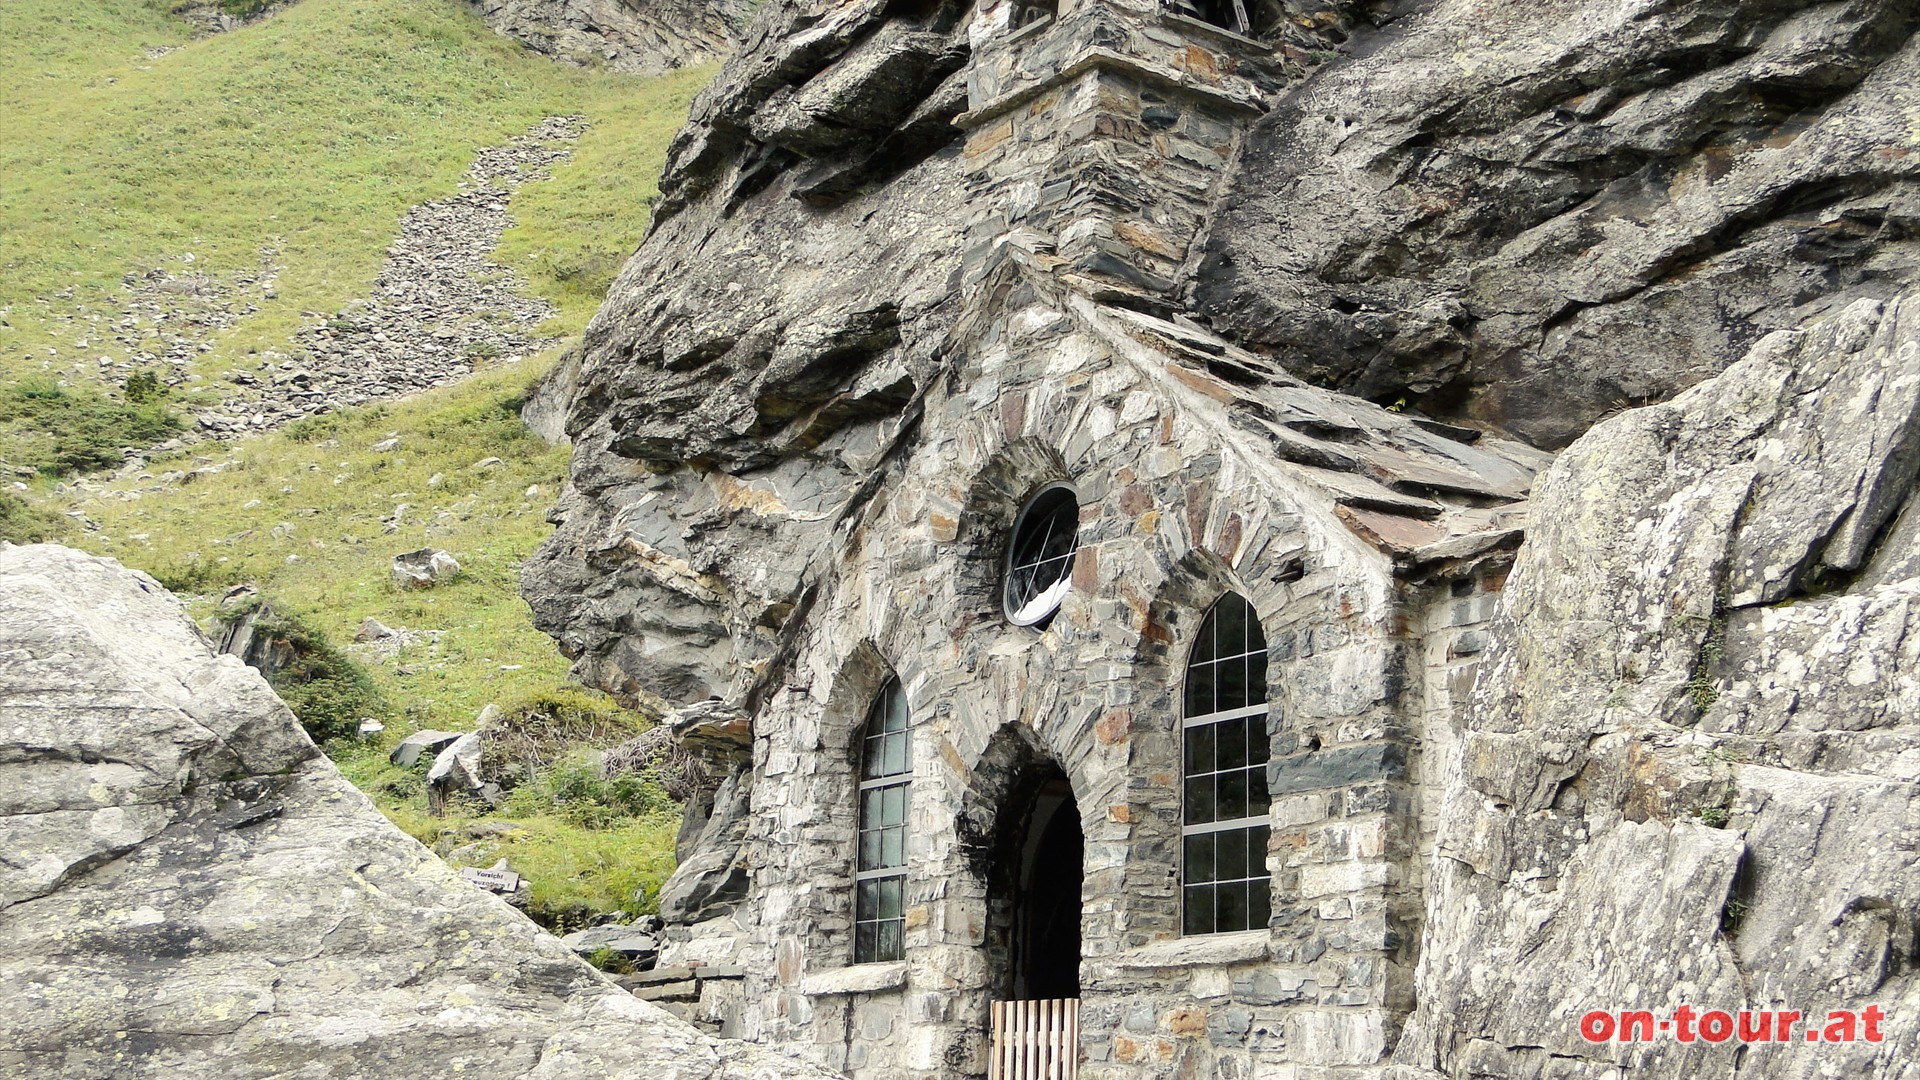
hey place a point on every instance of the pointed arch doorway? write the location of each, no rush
(1034, 889)
(1044, 943)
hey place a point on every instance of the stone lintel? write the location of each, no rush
(1101, 59)
(1337, 767)
(1206, 950)
(857, 979)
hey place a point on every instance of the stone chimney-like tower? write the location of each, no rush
(1106, 125)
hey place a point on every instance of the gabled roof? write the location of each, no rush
(1422, 492)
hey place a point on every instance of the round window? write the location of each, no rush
(1040, 558)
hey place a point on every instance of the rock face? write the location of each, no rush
(644, 37)
(1271, 308)
(1535, 214)
(1695, 744)
(191, 889)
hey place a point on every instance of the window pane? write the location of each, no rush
(1232, 802)
(1230, 685)
(1259, 744)
(1200, 749)
(1258, 804)
(1198, 908)
(1230, 912)
(1199, 800)
(866, 901)
(896, 701)
(889, 946)
(896, 808)
(1230, 622)
(893, 847)
(1230, 855)
(1256, 639)
(1257, 680)
(1199, 689)
(870, 850)
(1257, 840)
(891, 892)
(1260, 904)
(895, 761)
(1040, 558)
(870, 808)
(863, 944)
(1198, 858)
(1231, 739)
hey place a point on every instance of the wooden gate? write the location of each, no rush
(1036, 1040)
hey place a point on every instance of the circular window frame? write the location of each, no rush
(1061, 585)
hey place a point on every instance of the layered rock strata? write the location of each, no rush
(1532, 215)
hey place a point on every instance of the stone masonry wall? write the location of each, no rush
(1173, 514)
(1107, 128)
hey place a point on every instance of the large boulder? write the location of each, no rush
(1691, 771)
(190, 889)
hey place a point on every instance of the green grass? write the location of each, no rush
(129, 145)
(304, 514)
(311, 133)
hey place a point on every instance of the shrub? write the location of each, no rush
(535, 731)
(81, 430)
(574, 790)
(326, 690)
(143, 386)
(24, 523)
(194, 576)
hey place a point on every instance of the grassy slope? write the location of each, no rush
(300, 513)
(315, 131)
(311, 132)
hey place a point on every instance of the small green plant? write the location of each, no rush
(143, 386)
(611, 962)
(312, 429)
(1714, 817)
(1703, 687)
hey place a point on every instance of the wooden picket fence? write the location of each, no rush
(1036, 1040)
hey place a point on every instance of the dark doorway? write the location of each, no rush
(1046, 911)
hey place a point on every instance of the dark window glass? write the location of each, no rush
(1198, 905)
(1040, 556)
(881, 870)
(1226, 885)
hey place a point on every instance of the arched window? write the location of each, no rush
(881, 874)
(1224, 823)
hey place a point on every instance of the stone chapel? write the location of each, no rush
(1106, 743)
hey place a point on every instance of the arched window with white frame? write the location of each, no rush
(1224, 827)
(880, 878)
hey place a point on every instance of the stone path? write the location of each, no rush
(438, 306)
